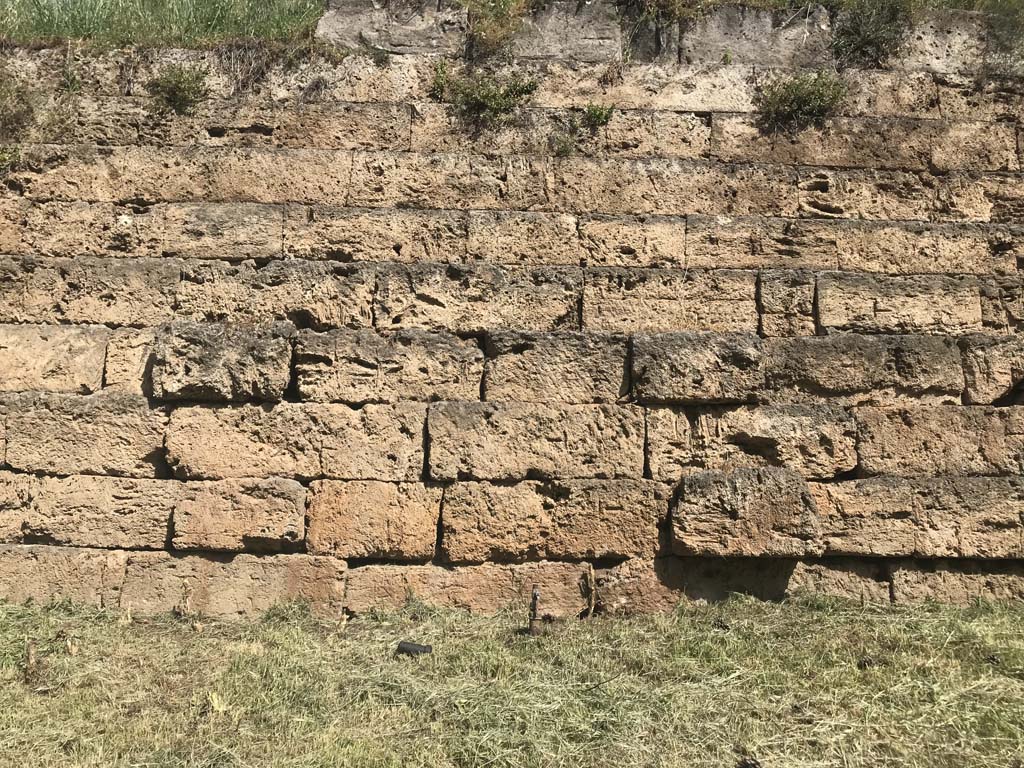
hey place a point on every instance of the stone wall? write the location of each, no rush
(319, 341)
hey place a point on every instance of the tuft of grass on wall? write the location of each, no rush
(493, 23)
(481, 101)
(794, 103)
(16, 106)
(178, 89)
(867, 33)
(185, 23)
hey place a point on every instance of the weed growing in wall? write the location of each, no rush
(16, 107)
(867, 33)
(492, 24)
(799, 102)
(178, 89)
(596, 116)
(481, 100)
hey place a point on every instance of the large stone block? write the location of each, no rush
(102, 434)
(230, 587)
(865, 194)
(787, 303)
(816, 441)
(580, 519)
(565, 588)
(372, 519)
(515, 237)
(352, 234)
(364, 366)
(235, 231)
(940, 440)
(762, 37)
(222, 361)
(101, 291)
(969, 517)
(43, 358)
(661, 301)
(316, 295)
(43, 573)
(301, 440)
(955, 582)
(129, 357)
(514, 441)
(914, 304)
(640, 241)
(698, 368)
(550, 367)
(747, 512)
(993, 368)
(236, 515)
(475, 299)
(756, 242)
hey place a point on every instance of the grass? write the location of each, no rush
(794, 103)
(178, 88)
(186, 23)
(799, 684)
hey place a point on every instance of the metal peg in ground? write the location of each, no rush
(535, 627)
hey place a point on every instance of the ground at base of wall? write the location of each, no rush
(738, 683)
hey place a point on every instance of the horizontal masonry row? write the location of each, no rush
(702, 88)
(575, 184)
(851, 142)
(764, 512)
(219, 362)
(476, 299)
(148, 583)
(241, 231)
(122, 435)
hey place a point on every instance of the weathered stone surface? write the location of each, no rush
(301, 440)
(235, 515)
(755, 242)
(580, 519)
(747, 512)
(752, 35)
(786, 299)
(235, 231)
(941, 440)
(816, 441)
(669, 187)
(230, 587)
(364, 366)
(310, 294)
(565, 588)
(474, 299)
(642, 586)
(128, 362)
(854, 369)
(371, 519)
(913, 304)
(514, 237)
(45, 358)
(513, 441)
(698, 368)
(42, 573)
(948, 581)
(945, 41)
(559, 368)
(107, 291)
(1002, 303)
(456, 181)
(222, 361)
(84, 511)
(102, 434)
(352, 234)
(993, 368)
(641, 241)
(403, 28)
(865, 194)
(661, 301)
(977, 517)
(564, 29)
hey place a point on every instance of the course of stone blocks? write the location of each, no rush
(319, 341)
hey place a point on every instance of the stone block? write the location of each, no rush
(42, 574)
(44, 358)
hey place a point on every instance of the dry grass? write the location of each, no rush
(798, 684)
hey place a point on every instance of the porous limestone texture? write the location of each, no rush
(319, 339)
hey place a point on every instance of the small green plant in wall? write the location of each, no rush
(802, 101)
(178, 89)
(481, 101)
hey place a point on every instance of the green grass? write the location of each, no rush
(178, 89)
(799, 684)
(793, 103)
(481, 101)
(186, 23)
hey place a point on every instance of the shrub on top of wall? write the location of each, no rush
(798, 102)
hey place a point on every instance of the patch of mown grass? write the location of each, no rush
(481, 100)
(808, 682)
(178, 88)
(798, 102)
(185, 23)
